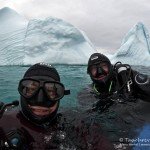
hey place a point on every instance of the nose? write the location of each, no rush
(40, 97)
(100, 71)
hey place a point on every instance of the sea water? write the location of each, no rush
(74, 77)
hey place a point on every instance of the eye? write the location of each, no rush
(28, 87)
(54, 90)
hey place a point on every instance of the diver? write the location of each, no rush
(37, 124)
(116, 82)
(118, 98)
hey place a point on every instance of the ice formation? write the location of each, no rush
(135, 47)
(52, 40)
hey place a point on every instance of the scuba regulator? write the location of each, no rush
(14, 139)
(3, 106)
(124, 81)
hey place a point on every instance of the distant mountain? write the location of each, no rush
(135, 47)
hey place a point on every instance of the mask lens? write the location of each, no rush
(55, 91)
(28, 87)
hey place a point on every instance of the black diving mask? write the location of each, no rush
(98, 72)
(29, 87)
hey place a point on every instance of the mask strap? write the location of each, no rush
(66, 92)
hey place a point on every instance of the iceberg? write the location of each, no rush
(135, 47)
(12, 34)
(52, 40)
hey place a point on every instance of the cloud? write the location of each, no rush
(105, 22)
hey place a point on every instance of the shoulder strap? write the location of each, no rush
(98, 93)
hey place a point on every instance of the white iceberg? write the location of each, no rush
(135, 47)
(52, 40)
(55, 41)
(12, 34)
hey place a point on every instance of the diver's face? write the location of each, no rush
(42, 94)
(99, 71)
(43, 111)
(40, 110)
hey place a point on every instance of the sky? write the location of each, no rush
(104, 22)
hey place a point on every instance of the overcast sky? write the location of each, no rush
(104, 21)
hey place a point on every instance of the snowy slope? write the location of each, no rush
(135, 47)
(12, 33)
(55, 41)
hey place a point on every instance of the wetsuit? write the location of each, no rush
(57, 135)
(122, 115)
(139, 85)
